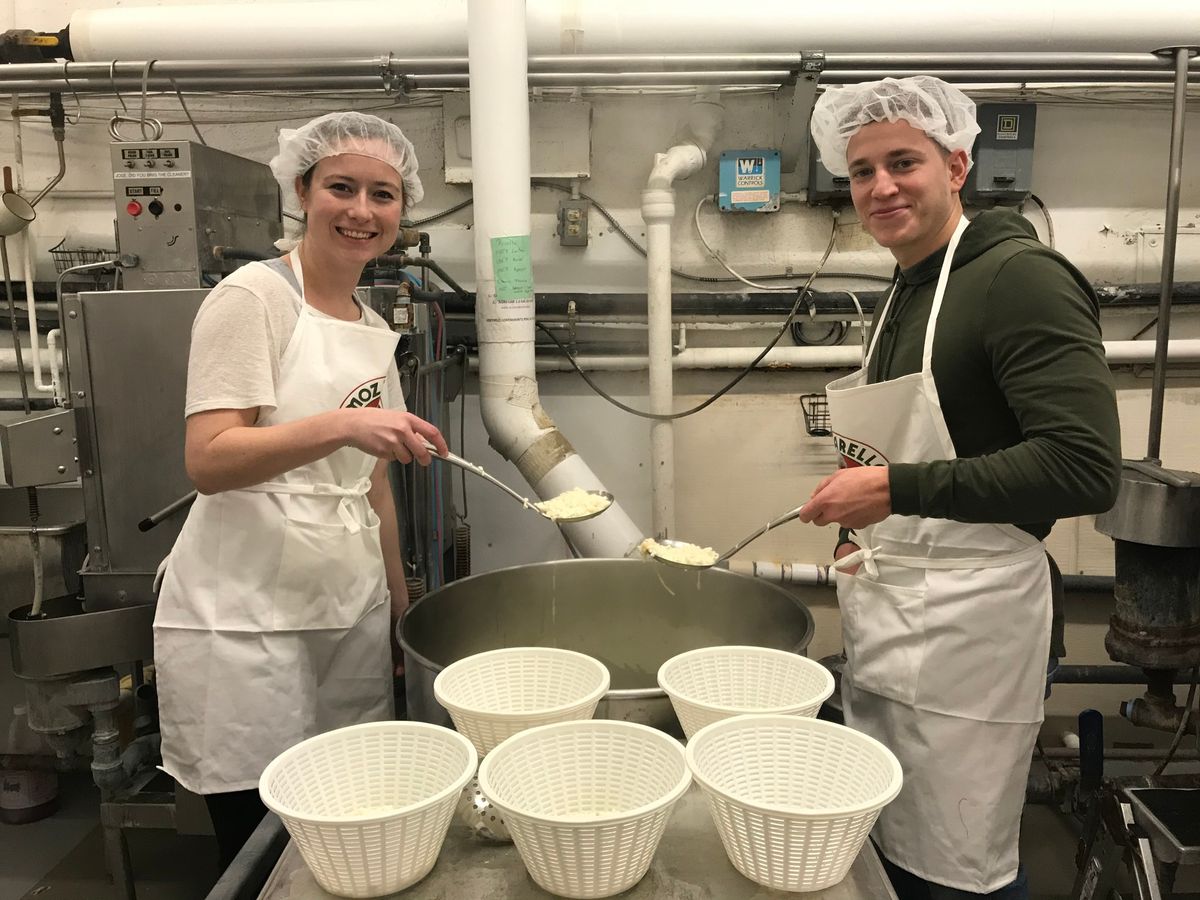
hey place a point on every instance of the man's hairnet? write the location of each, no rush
(942, 111)
(342, 132)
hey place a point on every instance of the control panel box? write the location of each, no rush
(825, 188)
(748, 181)
(1003, 155)
(180, 206)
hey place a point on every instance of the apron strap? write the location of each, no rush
(943, 278)
(870, 557)
(322, 489)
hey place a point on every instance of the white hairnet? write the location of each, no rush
(342, 132)
(942, 111)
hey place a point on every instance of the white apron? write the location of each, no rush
(947, 632)
(273, 618)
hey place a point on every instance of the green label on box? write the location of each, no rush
(512, 267)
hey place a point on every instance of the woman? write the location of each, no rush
(273, 619)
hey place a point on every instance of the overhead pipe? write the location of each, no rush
(517, 425)
(1118, 353)
(685, 158)
(273, 30)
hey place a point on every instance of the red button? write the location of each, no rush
(133, 208)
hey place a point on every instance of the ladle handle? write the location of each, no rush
(456, 460)
(774, 523)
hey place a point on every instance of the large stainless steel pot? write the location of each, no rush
(632, 615)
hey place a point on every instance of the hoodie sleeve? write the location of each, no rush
(1042, 337)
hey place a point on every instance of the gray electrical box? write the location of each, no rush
(177, 202)
(825, 188)
(1003, 154)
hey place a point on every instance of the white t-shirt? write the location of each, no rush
(238, 339)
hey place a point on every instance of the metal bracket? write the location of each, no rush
(793, 107)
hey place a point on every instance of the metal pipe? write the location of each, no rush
(1109, 674)
(375, 73)
(12, 321)
(1170, 226)
(62, 170)
(1132, 754)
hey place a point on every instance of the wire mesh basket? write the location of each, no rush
(816, 414)
(713, 683)
(493, 695)
(792, 798)
(586, 801)
(369, 805)
(69, 257)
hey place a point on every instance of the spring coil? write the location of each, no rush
(416, 588)
(461, 535)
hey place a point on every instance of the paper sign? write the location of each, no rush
(512, 268)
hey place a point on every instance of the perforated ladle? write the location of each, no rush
(455, 460)
(753, 536)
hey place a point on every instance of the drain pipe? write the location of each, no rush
(685, 158)
(518, 427)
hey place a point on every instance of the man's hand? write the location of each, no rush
(853, 498)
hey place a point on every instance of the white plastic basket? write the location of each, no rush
(714, 683)
(493, 695)
(792, 798)
(368, 806)
(586, 802)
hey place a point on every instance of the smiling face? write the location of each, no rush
(353, 206)
(905, 188)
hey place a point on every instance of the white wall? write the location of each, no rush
(1101, 169)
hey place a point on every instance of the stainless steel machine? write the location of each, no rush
(189, 213)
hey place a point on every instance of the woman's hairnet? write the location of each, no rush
(342, 132)
(942, 111)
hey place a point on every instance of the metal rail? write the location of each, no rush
(391, 73)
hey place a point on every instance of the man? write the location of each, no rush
(985, 412)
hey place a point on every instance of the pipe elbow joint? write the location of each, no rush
(678, 162)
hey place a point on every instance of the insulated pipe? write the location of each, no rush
(685, 158)
(280, 29)
(518, 428)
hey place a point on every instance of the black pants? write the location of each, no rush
(912, 887)
(234, 816)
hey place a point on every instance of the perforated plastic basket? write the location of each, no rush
(586, 802)
(714, 683)
(493, 695)
(792, 798)
(368, 806)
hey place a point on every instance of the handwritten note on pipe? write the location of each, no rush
(512, 267)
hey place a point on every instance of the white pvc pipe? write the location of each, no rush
(282, 30)
(784, 572)
(1118, 353)
(658, 211)
(518, 428)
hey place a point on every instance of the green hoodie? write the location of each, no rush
(1022, 379)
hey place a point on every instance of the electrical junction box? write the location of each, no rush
(748, 181)
(1003, 154)
(825, 188)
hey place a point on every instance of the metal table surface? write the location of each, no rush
(690, 865)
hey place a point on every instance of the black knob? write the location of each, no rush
(155, 207)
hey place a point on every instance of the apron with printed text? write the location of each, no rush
(273, 617)
(947, 628)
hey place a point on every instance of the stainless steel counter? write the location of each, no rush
(690, 865)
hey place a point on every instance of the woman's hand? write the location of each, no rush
(390, 434)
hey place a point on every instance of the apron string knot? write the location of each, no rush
(864, 556)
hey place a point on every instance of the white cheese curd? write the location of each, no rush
(573, 504)
(683, 553)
